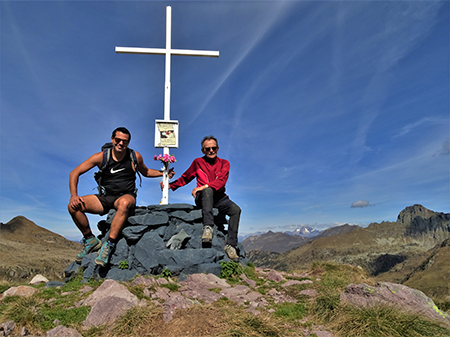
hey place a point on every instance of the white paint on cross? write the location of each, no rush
(168, 51)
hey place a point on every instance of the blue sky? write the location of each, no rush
(329, 112)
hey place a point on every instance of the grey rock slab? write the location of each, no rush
(62, 331)
(149, 219)
(191, 216)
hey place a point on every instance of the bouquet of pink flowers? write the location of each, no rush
(167, 158)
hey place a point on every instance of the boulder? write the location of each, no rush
(7, 328)
(110, 301)
(24, 291)
(38, 279)
(397, 295)
(111, 288)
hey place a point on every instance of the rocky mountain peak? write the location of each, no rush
(411, 212)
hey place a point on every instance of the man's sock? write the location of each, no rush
(112, 241)
(88, 236)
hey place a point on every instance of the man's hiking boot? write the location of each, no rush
(90, 245)
(231, 252)
(105, 252)
(207, 234)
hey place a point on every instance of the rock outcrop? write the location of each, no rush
(421, 221)
(397, 295)
(144, 245)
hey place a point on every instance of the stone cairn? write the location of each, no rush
(144, 245)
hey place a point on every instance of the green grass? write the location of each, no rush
(382, 321)
(443, 305)
(21, 310)
(171, 286)
(291, 311)
(230, 270)
(67, 317)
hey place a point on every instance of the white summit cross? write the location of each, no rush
(168, 51)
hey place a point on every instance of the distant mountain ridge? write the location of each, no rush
(304, 231)
(273, 242)
(414, 248)
(27, 249)
(281, 242)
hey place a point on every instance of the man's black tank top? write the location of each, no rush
(119, 177)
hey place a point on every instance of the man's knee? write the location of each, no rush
(207, 193)
(125, 204)
(235, 210)
(70, 209)
(73, 210)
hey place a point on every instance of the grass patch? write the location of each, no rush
(335, 277)
(230, 270)
(95, 331)
(22, 311)
(382, 321)
(171, 286)
(137, 290)
(443, 305)
(291, 311)
(325, 307)
(4, 287)
(67, 317)
(295, 289)
(132, 323)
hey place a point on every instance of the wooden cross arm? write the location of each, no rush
(163, 51)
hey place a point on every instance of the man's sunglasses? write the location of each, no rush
(213, 148)
(118, 140)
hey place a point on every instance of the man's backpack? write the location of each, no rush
(106, 149)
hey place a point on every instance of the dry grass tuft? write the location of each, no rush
(221, 319)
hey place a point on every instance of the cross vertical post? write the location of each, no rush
(167, 85)
(168, 52)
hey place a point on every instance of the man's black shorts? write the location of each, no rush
(108, 201)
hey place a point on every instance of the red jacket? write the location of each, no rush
(214, 173)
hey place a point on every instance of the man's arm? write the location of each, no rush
(94, 160)
(148, 172)
(185, 178)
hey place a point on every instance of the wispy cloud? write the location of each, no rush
(275, 14)
(422, 122)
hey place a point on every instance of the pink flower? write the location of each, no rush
(167, 158)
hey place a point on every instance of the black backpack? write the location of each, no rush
(106, 148)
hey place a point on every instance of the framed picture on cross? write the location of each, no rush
(166, 133)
